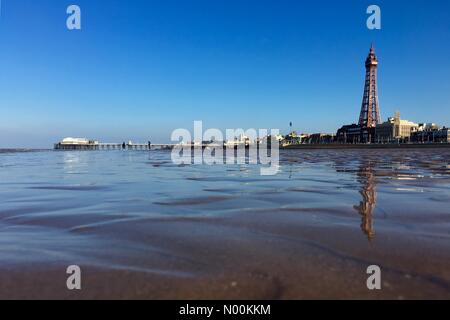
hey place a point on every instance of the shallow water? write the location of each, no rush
(147, 228)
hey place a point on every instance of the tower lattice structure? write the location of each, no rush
(370, 109)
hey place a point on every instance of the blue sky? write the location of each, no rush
(140, 69)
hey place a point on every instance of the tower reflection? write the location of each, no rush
(368, 192)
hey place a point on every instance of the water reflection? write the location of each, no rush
(366, 207)
(71, 161)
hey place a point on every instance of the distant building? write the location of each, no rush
(77, 141)
(349, 134)
(267, 140)
(295, 138)
(321, 138)
(239, 141)
(431, 135)
(442, 136)
(76, 144)
(395, 129)
(428, 127)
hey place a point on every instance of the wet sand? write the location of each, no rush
(158, 231)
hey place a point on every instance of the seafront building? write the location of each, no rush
(433, 135)
(404, 131)
(295, 138)
(321, 138)
(239, 141)
(76, 144)
(86, 144)
(395, 129)
(349, 134)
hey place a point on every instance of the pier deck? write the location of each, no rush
(113, 146)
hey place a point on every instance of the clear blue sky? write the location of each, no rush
(139, 69)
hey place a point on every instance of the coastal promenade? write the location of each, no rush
(369, 146)
(140, 146)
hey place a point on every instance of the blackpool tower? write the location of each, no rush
(370, 111)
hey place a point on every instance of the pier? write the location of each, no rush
(133, 146)
(114, 146)
(92, 145)
(82, 144)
